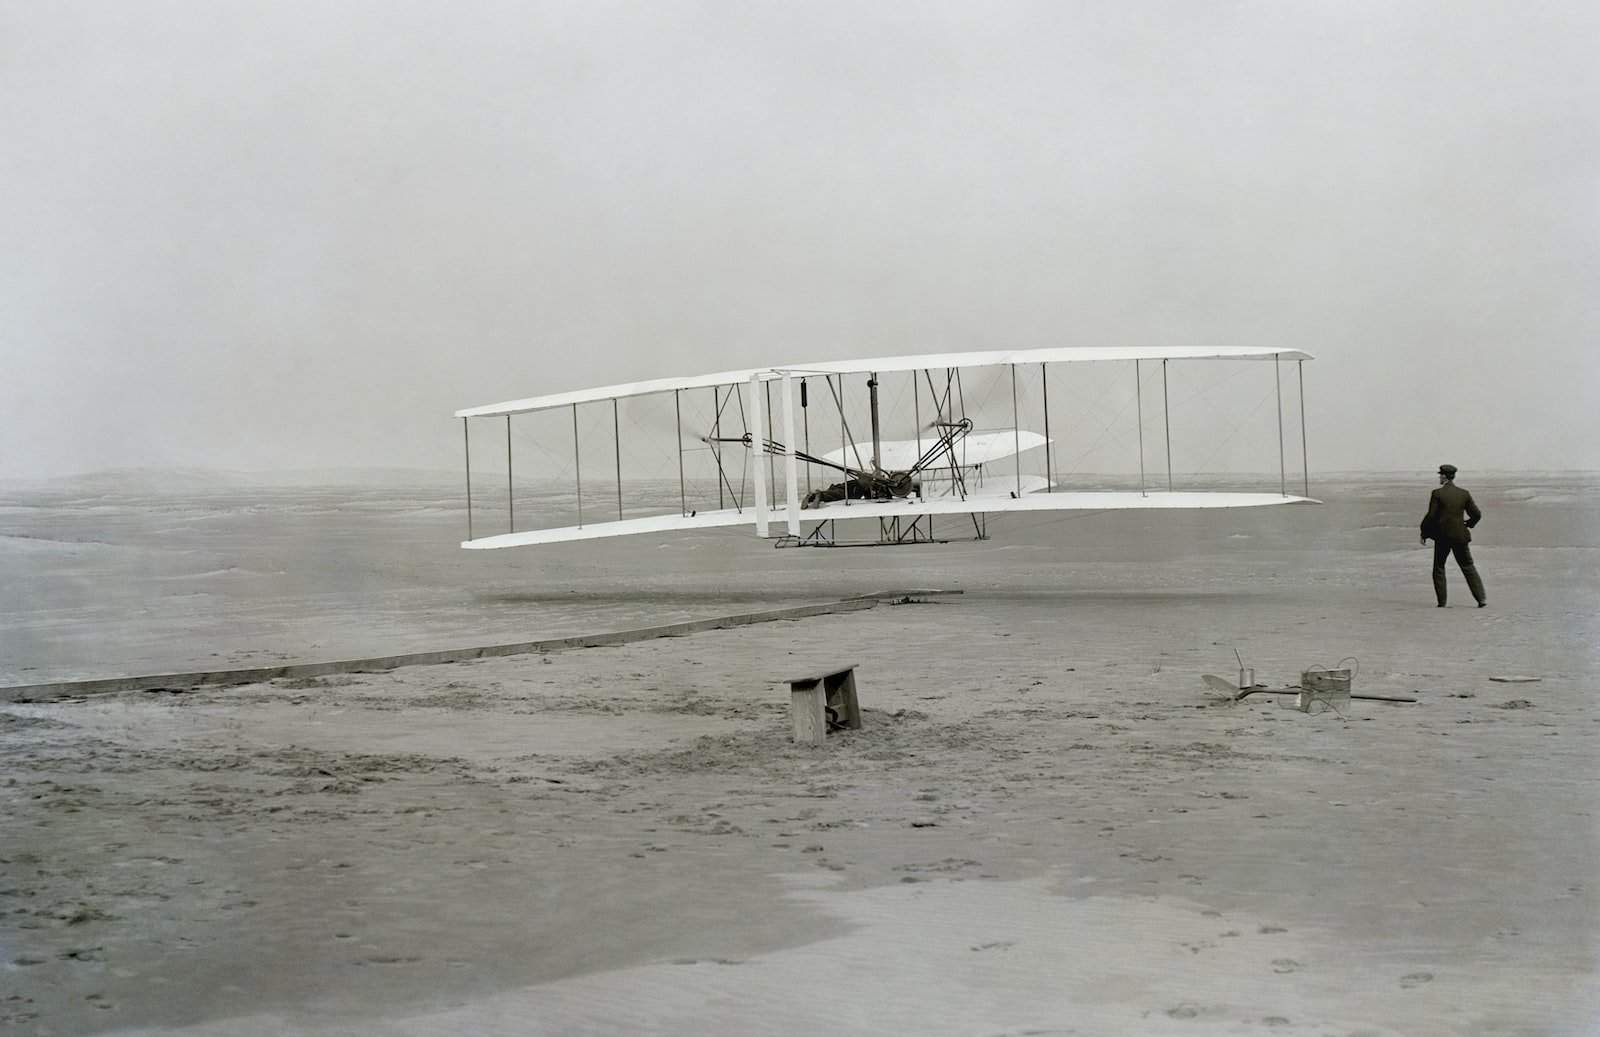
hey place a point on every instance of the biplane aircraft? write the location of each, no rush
(947, 470)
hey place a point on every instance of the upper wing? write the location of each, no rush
(928, 361)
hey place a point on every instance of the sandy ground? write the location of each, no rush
(1046, 826)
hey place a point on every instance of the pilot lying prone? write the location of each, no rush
(885, 486)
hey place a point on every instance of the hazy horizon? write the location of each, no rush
(282, 236)
(336, 476)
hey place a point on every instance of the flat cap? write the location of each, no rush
(1447, 469)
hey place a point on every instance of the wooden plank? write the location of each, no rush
(841, 692)
(807, 712)
(820, 672)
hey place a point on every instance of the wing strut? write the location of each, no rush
(1016, 428)
(759, 461)
(791, 487)
(683, 495)
(916, 410)
(577, 464)
(466, 439)
(1138, 395)
(1277, 391)
(1305, 465)
(805, 420)
(616, 441)
(1166, 422)
(1049, 473)
(844, 429)
(772, 479)
(872, 404)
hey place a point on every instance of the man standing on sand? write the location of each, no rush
(1449, 521)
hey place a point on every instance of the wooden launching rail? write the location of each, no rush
(257, 674)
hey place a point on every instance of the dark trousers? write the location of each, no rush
(1442, 549)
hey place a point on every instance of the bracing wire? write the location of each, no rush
(1237, 426)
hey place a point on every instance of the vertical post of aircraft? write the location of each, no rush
(1305, 465)
(1016, 429)
(1166, 422)
(759, 445)
(805, 422)
(466, 440)
(1049, 472)
(616, 439)
(1277, 392)
(872, 403)
(1138, 396)
(791, 476)
(844, 433)
(577, 464)
(677, 413)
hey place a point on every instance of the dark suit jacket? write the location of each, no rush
(1451, 515)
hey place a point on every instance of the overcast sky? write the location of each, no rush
(275, 234)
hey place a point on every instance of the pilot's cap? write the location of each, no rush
(1448, 470)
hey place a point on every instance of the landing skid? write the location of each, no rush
(892, 532)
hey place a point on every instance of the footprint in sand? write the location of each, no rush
(81, 954)
(1415, 979)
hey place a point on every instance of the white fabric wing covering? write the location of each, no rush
(929, 361)
(996, 499)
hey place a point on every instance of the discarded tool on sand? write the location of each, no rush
(1309, 695)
